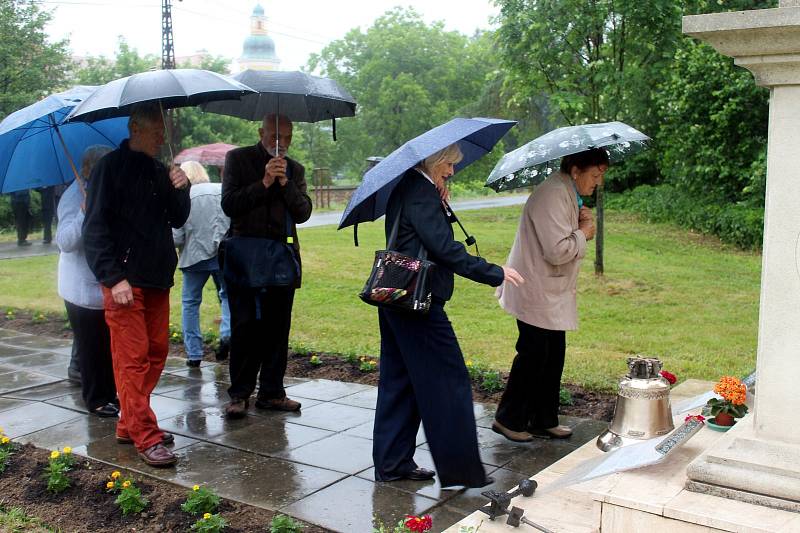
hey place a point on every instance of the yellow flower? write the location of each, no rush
(469, 363)
(196, 488)
(54, 454)
(126, 484)
(115, 474)
(5, 440)
(206, 516)
(67, 450)
(110, 485)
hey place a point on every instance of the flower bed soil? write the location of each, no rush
(585, 403)
(86, 506)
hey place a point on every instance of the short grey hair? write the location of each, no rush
(146, 112)
(195, 172)
(91, 156)
(451, 154)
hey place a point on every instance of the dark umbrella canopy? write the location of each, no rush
(299, 96)
(475, 136)
(172, 88)
(532, 162)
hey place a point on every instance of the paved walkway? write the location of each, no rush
(10, 250)
(315, 465)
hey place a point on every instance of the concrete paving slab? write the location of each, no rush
(73, 402)
(22, 379)
(77, 432)
(13, 403)
(207, 393)
(171, 382)
(271, 437)
(8, 352)
(351, 504)
(205, 373)
(203, 424)
(29, 419)
(540, 455)
(365, 399)
(272, 483)
(45, 392)
(587, 430)
(9, 333)
(470, 500)
(58, 370)
(364, 431)
(334, 417)
(327, 390)
(342, 453)
(39, 342)
(40, 359)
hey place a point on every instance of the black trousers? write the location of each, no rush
(48, 211)
(93, 341)
(423, 377)
(22, 219)
(260, 324)
(531, 396)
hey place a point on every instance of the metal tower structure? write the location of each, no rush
(167, 45)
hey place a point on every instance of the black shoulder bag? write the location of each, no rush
(399, 281)
(258, 262)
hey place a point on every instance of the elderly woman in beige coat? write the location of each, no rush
(547, 252)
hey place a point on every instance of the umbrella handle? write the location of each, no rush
(169, 133)
(69, 158)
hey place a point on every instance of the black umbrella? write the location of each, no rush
(170, 88)
(298, 96)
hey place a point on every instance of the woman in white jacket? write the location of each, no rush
(83, 297)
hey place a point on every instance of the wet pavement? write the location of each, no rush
(315, 465)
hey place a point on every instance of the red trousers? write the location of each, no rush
(139, 346)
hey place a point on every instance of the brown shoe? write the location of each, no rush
(158, 456)
(279, 404)
(557, 432)
(510, 434)
(166, 438)
(236, 408)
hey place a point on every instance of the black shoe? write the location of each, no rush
(108, 410)
(74, 375)
(47, 241)
(194, 363)
(224, 349)
(420, 474)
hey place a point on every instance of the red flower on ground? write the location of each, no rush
(418, 524)
(669, 376)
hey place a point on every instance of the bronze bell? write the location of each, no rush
(642, 411)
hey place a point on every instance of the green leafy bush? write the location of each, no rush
(284, 524)
(564, 397)
(210, 523)
(200, 500)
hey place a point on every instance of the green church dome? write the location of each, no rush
(259, 47)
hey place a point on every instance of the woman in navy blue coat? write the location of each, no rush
(422, 371)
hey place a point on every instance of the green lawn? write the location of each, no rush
(667, 293)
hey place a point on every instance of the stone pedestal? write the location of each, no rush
(757, 461)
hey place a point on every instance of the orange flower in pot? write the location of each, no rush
(731, 406)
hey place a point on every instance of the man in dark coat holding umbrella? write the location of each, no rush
(133, 203)
(259, 187)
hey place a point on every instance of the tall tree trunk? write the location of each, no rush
(598, 236)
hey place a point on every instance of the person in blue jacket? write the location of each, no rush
(423, 376)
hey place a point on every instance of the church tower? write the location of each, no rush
(258, 50)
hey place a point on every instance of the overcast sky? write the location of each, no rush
(299, 27)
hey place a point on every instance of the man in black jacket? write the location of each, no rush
(133, 203)
(259, 188)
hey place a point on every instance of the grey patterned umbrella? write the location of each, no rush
(532, 162)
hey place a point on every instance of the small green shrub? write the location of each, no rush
(367, 364)
(315, 360)
(564, 397)
(210, 523)
(38, 317)
(352, 358)
(59, 464)
(491, 381)
(284, 524)
(130, 499)
(200, 500)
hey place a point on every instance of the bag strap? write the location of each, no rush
(470, 240)
(422, 254)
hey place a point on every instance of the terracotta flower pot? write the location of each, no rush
(724, 419)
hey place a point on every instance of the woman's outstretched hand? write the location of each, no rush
(512, 276)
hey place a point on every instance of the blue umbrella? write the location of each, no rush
(36, 147)
(475, 136)
(532, 162)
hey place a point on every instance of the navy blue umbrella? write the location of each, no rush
(475, 136)
(37, 147)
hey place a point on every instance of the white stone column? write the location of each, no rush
(758, 459)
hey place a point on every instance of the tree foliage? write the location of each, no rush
(31, 67)
(407, 77)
